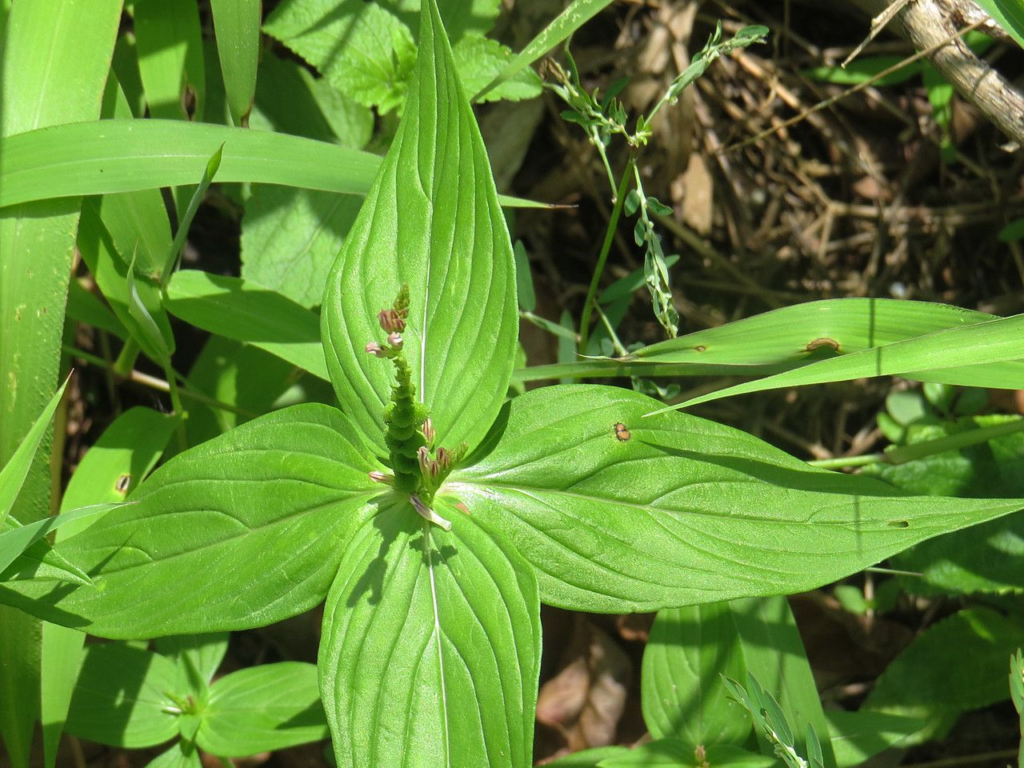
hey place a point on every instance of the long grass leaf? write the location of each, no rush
(567, 22)
(237, 24)
(97, 158)
(55, 59)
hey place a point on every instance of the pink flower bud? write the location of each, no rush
(380, 477)
(395, 340)
(428, 431)
(373, 348)
(428, 514)
(391, 321)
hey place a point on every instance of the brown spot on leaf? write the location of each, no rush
(122, 484)
(821, 343)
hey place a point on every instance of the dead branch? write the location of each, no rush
(926, 24)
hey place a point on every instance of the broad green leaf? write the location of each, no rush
(774, 654)
(688, 652)
(106, 156)
(430, 639)
(204, 652)
(479, 60)
(1009, 14)
(955, 665)
(54, 60)
(237, 27)
(981, 355)
(661, 753)
(432, 221)
(242, 531)
(259, 709)
(362, 49)
(121, 698)
(118, 461)
(291, 237)
(672, 753)
(178, 756)
(170, 49)
(571, 19)
(460, 17)
(985, 558)
(243, 377)
(14, 472)
(857, 736)
(699, 512)
(126, 451)
(244, 311)
(291, 100)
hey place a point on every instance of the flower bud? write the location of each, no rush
(395, 340)
(373, 348)
(380, 477)
(391, 321)
(428, 514)
(444, 458)
(428, 431)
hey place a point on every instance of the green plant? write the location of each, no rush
(433, 559)
(253, 710)
(699, 716)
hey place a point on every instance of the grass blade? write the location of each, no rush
(567, 22)
(106, 156)
(237, 24)
(55, 60)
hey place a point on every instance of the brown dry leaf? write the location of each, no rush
(584, 701)
(663, 56)
(696, 194)
(634, 627)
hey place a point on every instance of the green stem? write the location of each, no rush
(846, 462)
(159, 384)
(126, 360)
(596, 141)
(609, 236)
(179, 409)
(905, 453)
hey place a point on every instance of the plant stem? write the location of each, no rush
(845, 462)
(179, 409)
(126, 360)
(905, 453)
(160, 385)
(609, 236)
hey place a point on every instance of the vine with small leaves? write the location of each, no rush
(603, 118)
(771, 720)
